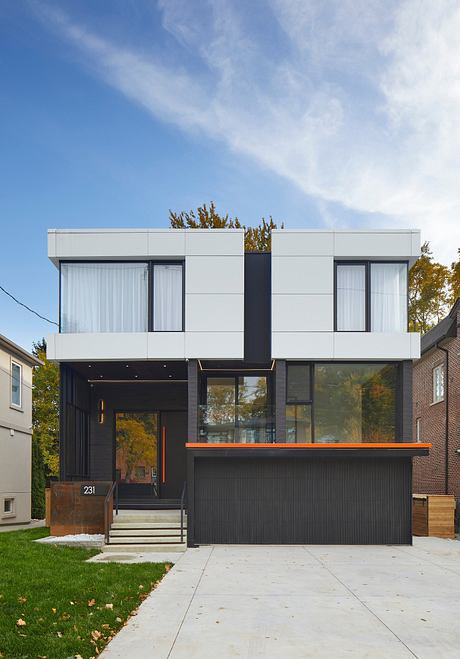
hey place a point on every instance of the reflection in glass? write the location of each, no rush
(298, 383)
(136, 447)
(355, 402)
(298, 423)
(236, 410)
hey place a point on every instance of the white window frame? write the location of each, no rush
(418, 428)
(438, 384)
(12, 511)
(16, 406)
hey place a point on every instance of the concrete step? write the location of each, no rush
(125, 526)
(148, 516)
(151, 533)
(144, 540)
(144, 548)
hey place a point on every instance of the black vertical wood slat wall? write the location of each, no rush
(301, 500)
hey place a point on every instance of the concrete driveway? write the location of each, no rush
(302, 601)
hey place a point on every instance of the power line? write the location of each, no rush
(28, 308)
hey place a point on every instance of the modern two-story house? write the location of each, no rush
(277, 386)
(16, 367)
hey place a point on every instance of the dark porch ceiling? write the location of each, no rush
(138, 371)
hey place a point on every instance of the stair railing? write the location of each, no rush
(182, 502)
(108, 508)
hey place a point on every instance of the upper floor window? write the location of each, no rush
(167, 297)
(114, 297)
(16, 384)
(438, 383)
(371, 297)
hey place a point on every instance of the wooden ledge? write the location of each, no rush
(318, 445)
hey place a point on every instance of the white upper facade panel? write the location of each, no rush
(134, 293)
(342, 294)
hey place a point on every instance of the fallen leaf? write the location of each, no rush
(22, 599)
(73, 603)
(78, 656)
(91, 602)
(65, 616)
(96, 635)
(109, 606)
(20, 623)
(53, 610)
(118, 619)
(167, 567)
(59, 634)
(141, 587)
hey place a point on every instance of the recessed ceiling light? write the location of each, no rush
(170, 376)
(89, 365)
(164, 365)
(127, 366)
(101, 376)
(136, 376)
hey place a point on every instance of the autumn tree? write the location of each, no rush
(256, 239)
(45, 410)
(428, 292)
(455, 280)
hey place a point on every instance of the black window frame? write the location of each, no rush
(312, 364)
(368, 265)
(150, 266)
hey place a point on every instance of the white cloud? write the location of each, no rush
(357, 102)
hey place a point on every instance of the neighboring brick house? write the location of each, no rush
(436, 414)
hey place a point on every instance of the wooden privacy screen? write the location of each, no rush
(433, 515)
(74, 512)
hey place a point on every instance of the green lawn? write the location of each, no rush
(70, 608)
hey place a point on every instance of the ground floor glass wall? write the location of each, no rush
(341, 402)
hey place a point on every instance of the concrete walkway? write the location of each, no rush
(302, 601)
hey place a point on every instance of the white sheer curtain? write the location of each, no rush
(104, 297)
(167, 297)
(389, 297)
(351, 298)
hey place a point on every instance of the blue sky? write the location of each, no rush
(319, 113)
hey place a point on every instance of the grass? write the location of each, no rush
(70, 608)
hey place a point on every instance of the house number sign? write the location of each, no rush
(93, 490)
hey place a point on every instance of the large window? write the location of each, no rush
(167, 297)
(342, 402)
(16, 384)
(236, 409)
(351, 298)
(114, 297)
(371, 297)
(355, 402)
(298, 403)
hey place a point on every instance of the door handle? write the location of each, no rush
(163, 454)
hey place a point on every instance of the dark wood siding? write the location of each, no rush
(257, 308)
(297, 500)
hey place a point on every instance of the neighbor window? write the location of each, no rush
(167, 297)
(16, 384)
(8, 506)
(104, 297)
(371, 297)
(418, 433)
(438, 383)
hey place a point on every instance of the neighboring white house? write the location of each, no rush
(16, 366)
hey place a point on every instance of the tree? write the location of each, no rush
(428, 292)
(38, 482)
(45, 410)
(256, 239)
(455, 280)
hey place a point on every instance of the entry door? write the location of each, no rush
(137, 454)
(173, 463)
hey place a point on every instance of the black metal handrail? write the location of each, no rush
(109, 497)
(182, 502)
